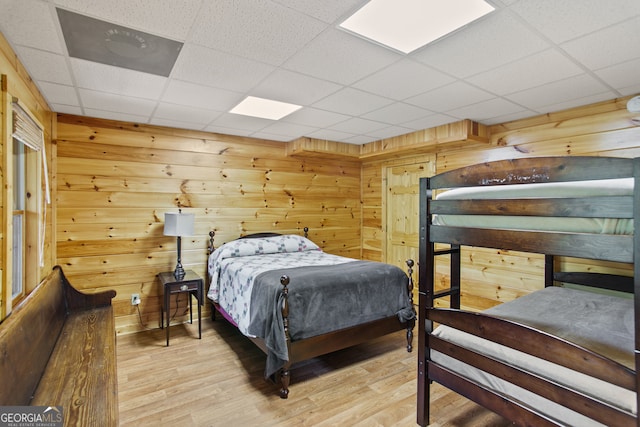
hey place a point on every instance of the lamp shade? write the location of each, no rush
(178, 224)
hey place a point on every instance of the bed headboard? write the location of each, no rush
(536, 170)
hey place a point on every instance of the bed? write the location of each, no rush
(561, 355)
(296, 302)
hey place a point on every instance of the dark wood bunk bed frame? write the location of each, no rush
(319, 345)
(617, 248)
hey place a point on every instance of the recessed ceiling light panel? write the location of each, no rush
(111, 44)
(409, 24)
(264, 108)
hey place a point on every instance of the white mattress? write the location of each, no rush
(567, 313)
(594, 188)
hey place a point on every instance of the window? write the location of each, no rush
(29, 211)
(18, 222)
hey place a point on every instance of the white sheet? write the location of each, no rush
(234, 266)
(592, 188)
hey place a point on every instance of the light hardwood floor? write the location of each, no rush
(218, 381)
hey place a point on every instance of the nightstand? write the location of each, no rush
(192, 284)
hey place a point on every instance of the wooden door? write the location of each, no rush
(401, 213)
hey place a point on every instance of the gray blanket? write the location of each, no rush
(324, 299)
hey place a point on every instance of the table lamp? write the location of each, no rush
(178, 224)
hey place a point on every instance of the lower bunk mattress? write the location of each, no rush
(599, 322)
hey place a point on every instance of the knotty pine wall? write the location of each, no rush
(493, 276)
(115, 181)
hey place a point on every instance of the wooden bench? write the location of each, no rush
(58, 348)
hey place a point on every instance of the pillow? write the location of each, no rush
(265, 245)
(254, 246)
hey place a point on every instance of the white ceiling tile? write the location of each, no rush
(238, 121)
(542, 54)
(630, 90)
(607, 47)
(158, 121)
(168, 18)
(389, 132)
(227, 131)
(498, 39)
(326, 10)
(295, 88)
(397, 113)
(331, 135)
(509, 117)
(271, 136)
(116, 103)
(416, 78)
(271, 33)
(59, 94)
(621, 75)
(66, 109)
(568, 19)
(316, 118)
(47, 66)
(486, 110)
(340, 57)
(359, 139)
(185, 114)
(31, 23)
(184, 93)
(209, 67)
(559, 91)
(115, 115)
(289, 130)
(535, 70)
(449, 97)
(120, 81)
(357, 125)
(430, 121)
(352, 102)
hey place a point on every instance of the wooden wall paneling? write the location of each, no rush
(116, 181)
(373, 211)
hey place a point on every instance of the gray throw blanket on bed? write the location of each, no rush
(324, 299)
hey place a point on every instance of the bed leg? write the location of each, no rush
(409, 339)
(284, 373)
(285, 378)
(410, 263)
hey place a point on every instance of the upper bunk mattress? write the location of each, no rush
(577, 189)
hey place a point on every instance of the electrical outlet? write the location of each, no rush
(135, 299)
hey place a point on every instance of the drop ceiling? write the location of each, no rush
(526, 58)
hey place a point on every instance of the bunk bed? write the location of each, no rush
(561, 355)
(296, 302)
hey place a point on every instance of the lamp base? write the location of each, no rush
(178, 273)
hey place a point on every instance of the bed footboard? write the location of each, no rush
(341, 339)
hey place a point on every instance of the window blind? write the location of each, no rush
(29, 132)
(26, 129)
